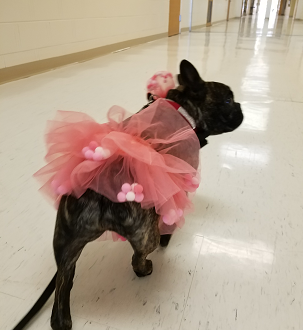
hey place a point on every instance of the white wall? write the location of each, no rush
(235, 8)
(219, 10)
(199, 12)
(185, 10)
(32, 30)
(299, 14)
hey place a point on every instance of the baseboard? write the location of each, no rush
(196, 27)
(221, 21)
(32, 68)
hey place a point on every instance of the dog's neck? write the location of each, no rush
(192, 112)
(183, 113)
(189, 112)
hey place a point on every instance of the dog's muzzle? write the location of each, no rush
(236, 118)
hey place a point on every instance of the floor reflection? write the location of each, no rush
(259, 25)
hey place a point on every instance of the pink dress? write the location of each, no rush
(151, 158)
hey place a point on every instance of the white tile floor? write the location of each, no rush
(238, 261)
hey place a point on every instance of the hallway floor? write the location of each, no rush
(238, 261)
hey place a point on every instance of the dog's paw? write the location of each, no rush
(164, 240)
(148, 269)
(58, 324)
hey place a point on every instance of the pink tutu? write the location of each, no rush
(150, 158)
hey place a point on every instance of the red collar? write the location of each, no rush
(183, 113)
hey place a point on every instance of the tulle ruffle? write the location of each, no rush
(155, 150)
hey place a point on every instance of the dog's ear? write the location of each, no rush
(189, 76)
(180, 81)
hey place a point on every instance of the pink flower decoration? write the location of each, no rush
(168, 220)
(55, 184)
(84, 150)
(61, 188)
(97, 156)
(121, 197)
(180, 213)
(93, 145)
(195, 181)
(94, 152)
(126, 188)
(138, 189)
(191, 182)
(131, 193)
(139, 198)
(130, 196)
(89, 154)
(172, 216)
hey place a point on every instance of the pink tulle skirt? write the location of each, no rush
(151, 158)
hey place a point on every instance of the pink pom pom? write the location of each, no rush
(167, 220)
(62, 190)
(180, 213)
(195, 181)
(121, 197)
(106, 153)
(160, 83)
(139, 198)
(130, 196)
(89, 154)
(172, 213)
(138, 189)
(55, 184)
(126, 188)
(84, 150)
(93, 145)
(97, 156)
(99, 150)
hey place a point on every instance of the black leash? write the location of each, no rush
(151, 100)
(38, 305)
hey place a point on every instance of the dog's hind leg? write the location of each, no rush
(145, 240)
(164, 240)
(74, 229)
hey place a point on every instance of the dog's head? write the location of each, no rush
(210, 104)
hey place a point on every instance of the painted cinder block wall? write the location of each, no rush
(299, 14)
(33, 30)
(199, 15)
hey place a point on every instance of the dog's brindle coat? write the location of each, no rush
(80, 221)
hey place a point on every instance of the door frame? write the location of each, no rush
(228, 8)
(190, 14)
(209, 12)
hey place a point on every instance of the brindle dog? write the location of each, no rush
(80, 221)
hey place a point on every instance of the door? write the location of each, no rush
(293, 4)
(282, 7)
(174, 16)
(209, 12)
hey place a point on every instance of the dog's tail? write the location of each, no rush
(38, 305)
